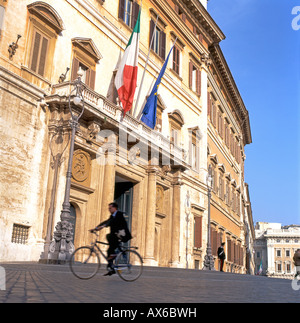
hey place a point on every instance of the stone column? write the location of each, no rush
(176, 222)
(150, 218)
(108, 188)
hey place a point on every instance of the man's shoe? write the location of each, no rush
(109, 273)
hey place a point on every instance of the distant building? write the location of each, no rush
(274, 247)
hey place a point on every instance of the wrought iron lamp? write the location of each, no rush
(62, 246)
(209, 262)
(13, 47)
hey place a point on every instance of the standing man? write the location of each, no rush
(221, 255)
(118, 233)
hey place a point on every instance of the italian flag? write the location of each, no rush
(126, 78)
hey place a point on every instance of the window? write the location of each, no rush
(288, 253)
(180, 12)
(194, 149)
(159, 41)
(128, 12)
(213, 111)
(20, 234)
(176, 60)
(279, 267)
(88, 74)
(278, 252)
(197, 232)
(44, 26)
(195, 78)
(221, 187)
(159, 112)
(227, 139)
(176, 123)
(227, 199)
(85, 57)
(39, 53)
(220, 124)
(288, 267)
(258, 254)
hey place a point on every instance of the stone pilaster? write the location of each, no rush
(150, 218)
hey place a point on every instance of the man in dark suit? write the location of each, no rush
(221, 255)
(118, 233)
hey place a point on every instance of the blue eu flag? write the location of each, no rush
(149, 112)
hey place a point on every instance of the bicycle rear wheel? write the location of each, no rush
(85, 262)
(129, 265)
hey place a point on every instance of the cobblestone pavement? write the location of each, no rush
(32, 283)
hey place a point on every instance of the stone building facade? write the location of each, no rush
(158, 177)
(274, 248)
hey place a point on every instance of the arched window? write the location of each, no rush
(45, 26)
(176, 123)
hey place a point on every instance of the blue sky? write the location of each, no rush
(263, 53)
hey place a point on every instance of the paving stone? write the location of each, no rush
(35, 283)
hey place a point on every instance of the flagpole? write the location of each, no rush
(141, 111)
(144, 73)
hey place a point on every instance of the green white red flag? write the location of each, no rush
(126, 78)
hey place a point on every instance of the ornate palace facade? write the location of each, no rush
(158, 177)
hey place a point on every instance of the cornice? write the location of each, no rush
(182, 29)
(240, 110)
(204, 19)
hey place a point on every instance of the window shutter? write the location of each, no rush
(162, 45)
(183, 17)
(43, 56)
(75, 68)
(92, 79)
(152, 26)
(208, 104)
(35, 52)
(198, 232)
(199, 82)
(191, 74)
(87, 77)
(195, 30)
(135, 14)
(122, 9)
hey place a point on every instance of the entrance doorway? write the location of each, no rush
(124, 197)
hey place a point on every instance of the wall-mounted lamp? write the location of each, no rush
(13, 47)
(62, 78)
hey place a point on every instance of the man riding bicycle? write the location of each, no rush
(118, 233)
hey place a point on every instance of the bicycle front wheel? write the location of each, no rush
(85, 262)
(129, 265)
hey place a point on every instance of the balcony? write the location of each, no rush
(99, 107)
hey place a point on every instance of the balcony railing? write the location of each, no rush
(109, 109)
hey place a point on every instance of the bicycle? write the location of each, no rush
(85, 261)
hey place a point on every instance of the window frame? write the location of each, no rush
(176, 60)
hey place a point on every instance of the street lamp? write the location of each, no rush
(62, 246)
(209, 262)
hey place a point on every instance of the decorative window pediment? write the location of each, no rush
(228, 176)
(46, 13)
(88, 46)
(222, 168)
(214, 159)
(233, 182)
(177, 116)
